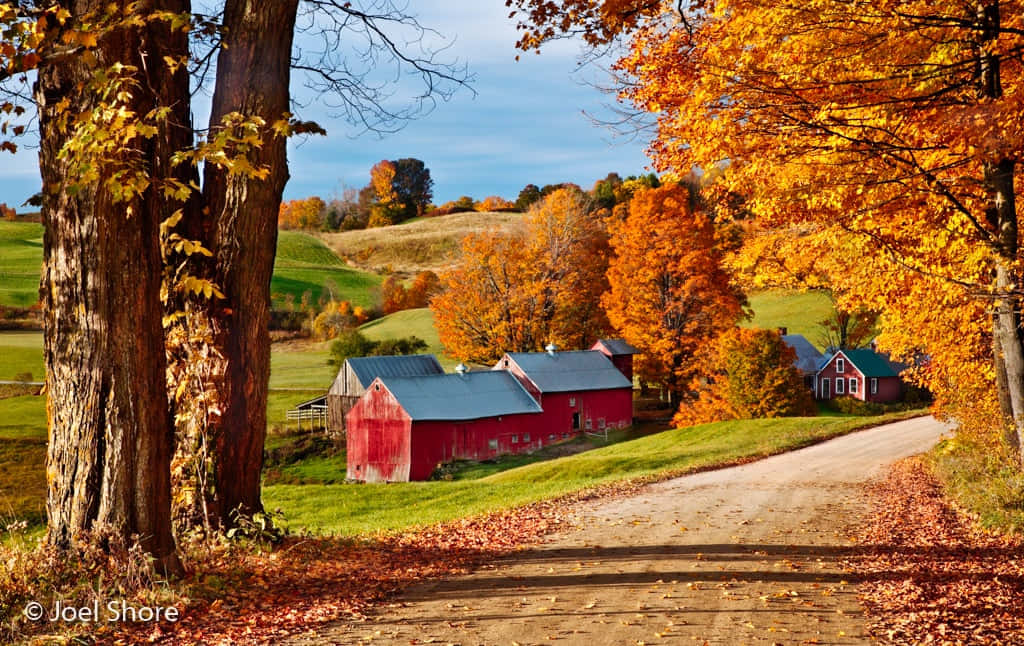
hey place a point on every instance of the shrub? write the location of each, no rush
(854, 406)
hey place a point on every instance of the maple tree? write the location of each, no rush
(891, 129)
(746, 374)
(131, 229)
(403, 189)
(669, 294)
(307, 213)
(520, 292)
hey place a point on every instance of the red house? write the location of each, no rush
(578, 391)
(403, 427)
(862, 374)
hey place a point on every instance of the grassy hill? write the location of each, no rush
(304, 264)
(798, 312)
(426, 243)
(21, 256)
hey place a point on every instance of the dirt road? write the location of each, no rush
(746, 555)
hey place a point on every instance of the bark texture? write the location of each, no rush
(240, 228)
(108, 465)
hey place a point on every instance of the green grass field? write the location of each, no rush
(305, 264)
(799, 312)
(21, 256)
(349, 509)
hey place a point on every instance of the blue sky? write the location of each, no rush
(525, 124)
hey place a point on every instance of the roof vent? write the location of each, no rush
(461, 368)
(551, 348)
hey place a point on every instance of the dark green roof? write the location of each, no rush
(870, 363)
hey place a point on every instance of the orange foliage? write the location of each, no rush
(7, 212)
(747, 373)
(889, 133)
(495, 203)
(301, 214)
(520, 292)
(669, 294)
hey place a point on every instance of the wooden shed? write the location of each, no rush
(579, 391)
(862, 374)
(358, 373)
(403, 427)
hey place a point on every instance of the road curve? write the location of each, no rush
(746, 555)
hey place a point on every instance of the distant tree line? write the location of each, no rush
(402, 189)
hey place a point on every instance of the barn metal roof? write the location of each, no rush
(570, 371)
(808, 358)
(472, 395)
(618, 346)
(366, 369)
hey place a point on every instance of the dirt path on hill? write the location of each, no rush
(746, 555)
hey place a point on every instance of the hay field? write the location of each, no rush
(427, 243)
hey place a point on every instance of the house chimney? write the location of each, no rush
(551, 348)
(783, 331)
(461, 368)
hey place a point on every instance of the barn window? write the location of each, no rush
(376, 386)
(589, 424)
(572, 401)
(565, 436)
(840, 367)
(515, 439)
(504, 363)
(600, 423)
(874, 386)
(840, 386)
(853, 385)
(492, 445)
(526, 437)
(552, 437)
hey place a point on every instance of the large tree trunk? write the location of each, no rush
(110, 445)
(240, 229)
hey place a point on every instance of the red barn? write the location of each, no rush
(862, 374)
(578, 391)
(403, 427)
(620, 353)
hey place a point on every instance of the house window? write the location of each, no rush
(853, 385)
(840, 386)
(572, 401)
(526, 437)
(492, 445)
(515, 439)
(840, 367)
(874, 386)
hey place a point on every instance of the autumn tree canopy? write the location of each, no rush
(669, 293)
(892, 129)
(520, 292)
(746, 374)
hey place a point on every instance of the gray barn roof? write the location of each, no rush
(473, 395)
(808, 358)
(618, 346)
(366, 369)
(569, 371)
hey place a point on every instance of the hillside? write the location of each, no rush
(305, 264)
(798, 312)
(426, 243)
(21, 256)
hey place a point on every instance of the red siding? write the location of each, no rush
(377, 444)
(614, 407)
(624, 362)
(518, 373)
(434, 442)
(889, 388)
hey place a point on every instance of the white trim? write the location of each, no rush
(874, 385)
(840, 365)
(840, 386)
(853, 386)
